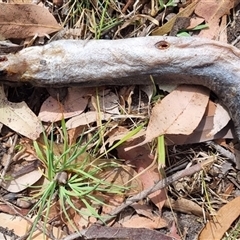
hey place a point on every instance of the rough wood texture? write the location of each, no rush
(131, 61)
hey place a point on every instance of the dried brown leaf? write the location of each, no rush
(185, 206)
(194, 22)
(220, 120)
(86, 118)
(120, 176)
(178, 113)
(22, 182)
(74, 104)
(143, 210)
(142, 222)
(19, 117)
(201, 133)
(216, 228)
(26, 20)
(20, 227)
(212, 11)
(144, 163)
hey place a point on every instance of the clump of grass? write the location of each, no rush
(71, 175)
(95, 17)
(234, 232)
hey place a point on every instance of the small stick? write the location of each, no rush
(159, 185)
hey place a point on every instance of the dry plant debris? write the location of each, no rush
(109, 161)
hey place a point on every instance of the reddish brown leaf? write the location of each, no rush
(141, 159)
(212, 11)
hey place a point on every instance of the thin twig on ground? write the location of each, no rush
(9, 159)
(223, 151)
(159, 185)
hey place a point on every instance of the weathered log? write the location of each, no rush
(131, 61)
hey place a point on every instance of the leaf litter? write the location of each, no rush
(180, 113)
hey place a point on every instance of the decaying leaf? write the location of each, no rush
(19, 117)
(26, 20)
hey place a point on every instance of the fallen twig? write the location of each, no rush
(159, 185)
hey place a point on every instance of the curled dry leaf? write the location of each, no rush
(19, 117)
(26, 20)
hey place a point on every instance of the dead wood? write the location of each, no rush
(131, 61)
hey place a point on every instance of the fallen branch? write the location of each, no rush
(131, 61)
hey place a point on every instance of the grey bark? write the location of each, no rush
(131, 61)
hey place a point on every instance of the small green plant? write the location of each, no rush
(170, 3)
(72, 175)
(185, 33)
